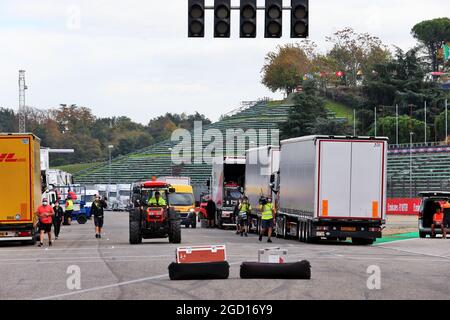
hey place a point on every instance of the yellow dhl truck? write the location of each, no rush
(20, 186)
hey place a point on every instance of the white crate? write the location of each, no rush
(272, 255)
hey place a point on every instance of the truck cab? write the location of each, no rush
(184, 202)
(227, 186)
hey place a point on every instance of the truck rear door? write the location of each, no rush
(367, 196)
(334, 178)
(16, 179)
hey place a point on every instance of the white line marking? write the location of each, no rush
(417, 253)
(112, 286)
(73, 259)
(104, 287)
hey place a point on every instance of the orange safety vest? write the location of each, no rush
(438, 217)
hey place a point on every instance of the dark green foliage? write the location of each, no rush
(73, 127)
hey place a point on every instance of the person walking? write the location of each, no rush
(237, 217)
(97, 211)
(45, 213)
(244, 213)
(267, 218)
(211, 212)
(58, 218)
(68, 212)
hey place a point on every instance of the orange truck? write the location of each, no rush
(20, 187)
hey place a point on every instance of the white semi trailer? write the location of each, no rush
(332, 187)
(261, 164)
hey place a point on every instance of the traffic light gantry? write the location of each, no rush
(248, 18)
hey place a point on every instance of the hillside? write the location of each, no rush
(156, 160)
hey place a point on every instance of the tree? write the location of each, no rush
(439, 124)
(387, 127)
(397, 81)
(285, 68)
(326, 126)
(432, 34)
(303, 115)
(354, 52)
(7, 120)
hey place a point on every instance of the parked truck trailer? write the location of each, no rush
(20, 187)
(261, 164)
(332, 187)
(228, 180)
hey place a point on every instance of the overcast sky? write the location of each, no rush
(133, 57)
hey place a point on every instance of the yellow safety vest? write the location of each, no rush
(153, 202)
(69, 205)
(267, 212)
(245, 207)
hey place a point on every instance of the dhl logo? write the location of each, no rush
(10, 157)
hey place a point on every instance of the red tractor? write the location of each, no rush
(150, 219)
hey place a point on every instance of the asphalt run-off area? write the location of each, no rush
(110, 268)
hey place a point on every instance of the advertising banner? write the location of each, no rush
(403, 206)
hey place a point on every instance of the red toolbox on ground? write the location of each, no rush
(201, 254)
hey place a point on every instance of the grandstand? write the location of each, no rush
(430, 170)
(156, 160)
(430, 166)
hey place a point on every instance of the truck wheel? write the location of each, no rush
(422, 235)
(362, 241)
(280, 227)
(300, 231)
(308, 238)
(175, 232)
(81, 219)
(219, 222)
(135, 232)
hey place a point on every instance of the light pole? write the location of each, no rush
(411, 134)
(171, 167)
(110, 147)
(375, 113)
(446, 121)
(425, 120)
(396, 124)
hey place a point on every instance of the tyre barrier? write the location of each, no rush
(199, 271)
(255, 270)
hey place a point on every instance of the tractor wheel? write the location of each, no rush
(81, 219)
(175, 232)
(135, 232)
